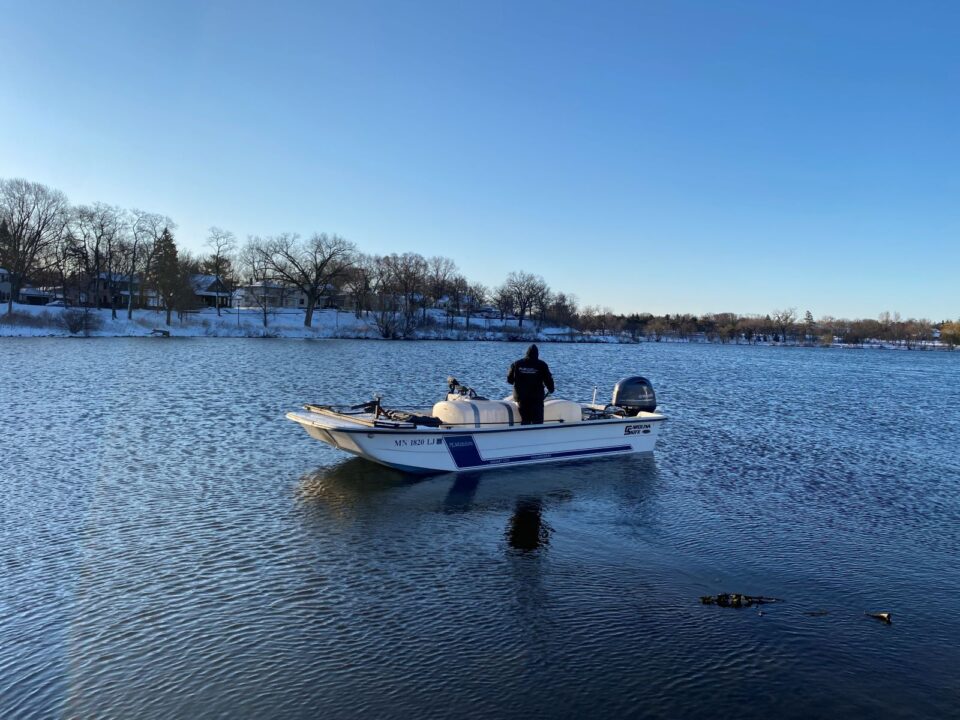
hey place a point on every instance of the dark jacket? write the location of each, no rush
(529, 377)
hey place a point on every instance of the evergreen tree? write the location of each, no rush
(808, 324)
(166, 271)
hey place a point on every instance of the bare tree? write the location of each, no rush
(254, 263)
(457, 289)
(310, 266)
(90, 227)
(504, 300)
(525, 288)
(783, 320)
(542, 297)
(587, 318)
(383, 285)
(100, 233)
(408, 276)
(146, 228)
(440, 273)
(63, 261)
(563, 309)
(222, 243)
(359, 282)
(116, 247)
(36, 218)
(475, 299)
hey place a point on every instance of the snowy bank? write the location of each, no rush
(47, 321)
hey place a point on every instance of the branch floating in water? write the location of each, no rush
(737, 600)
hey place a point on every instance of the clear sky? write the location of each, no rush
(646, 156)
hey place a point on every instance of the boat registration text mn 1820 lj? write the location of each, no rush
(469, 432)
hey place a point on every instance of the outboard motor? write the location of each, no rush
(634, 395)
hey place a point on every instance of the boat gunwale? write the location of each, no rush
(300, 417)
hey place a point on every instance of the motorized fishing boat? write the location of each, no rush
(469, 432)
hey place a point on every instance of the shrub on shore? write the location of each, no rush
(80, 321)
(22, 319)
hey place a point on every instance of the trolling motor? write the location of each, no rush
(458, 390)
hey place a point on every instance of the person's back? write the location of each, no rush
(529, 376)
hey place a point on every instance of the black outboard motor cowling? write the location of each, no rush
(634, 395)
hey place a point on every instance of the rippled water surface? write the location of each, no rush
(172, 547)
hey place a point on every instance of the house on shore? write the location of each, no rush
(30, 295)
(270, 294)
(278, 296)
(107, 290)
(210, 291)
(113, 288)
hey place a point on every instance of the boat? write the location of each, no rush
(469, 432)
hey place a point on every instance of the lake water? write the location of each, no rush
(173, 547)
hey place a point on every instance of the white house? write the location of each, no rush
(283, 297)
(267, 292)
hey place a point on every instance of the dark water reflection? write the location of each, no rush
(173, 548)
(527, 531)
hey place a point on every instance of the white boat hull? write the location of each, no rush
(425, 450)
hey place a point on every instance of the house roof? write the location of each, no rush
(202, 282)
(28, 290)
(270, 285)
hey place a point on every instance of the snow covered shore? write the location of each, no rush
(45, 321)
(52, 321)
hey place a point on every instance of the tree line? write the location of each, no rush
(107, 256)
(786, 326)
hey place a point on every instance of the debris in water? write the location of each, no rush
(883, 617)
(817, 613)
(736, 600)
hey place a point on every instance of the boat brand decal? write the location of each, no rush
(637, 429)
(465, 453)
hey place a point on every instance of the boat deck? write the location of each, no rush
(329, 419)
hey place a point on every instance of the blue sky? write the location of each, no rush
(646, 156)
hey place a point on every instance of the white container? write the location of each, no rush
(476, 413)
(561, 411)
(480, 413)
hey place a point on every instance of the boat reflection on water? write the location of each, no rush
(357, 487)
(352, 483)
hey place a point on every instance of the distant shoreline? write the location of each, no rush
(329, 324)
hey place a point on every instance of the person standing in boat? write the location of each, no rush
(529, 377)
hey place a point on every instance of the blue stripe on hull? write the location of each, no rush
(465, 453)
